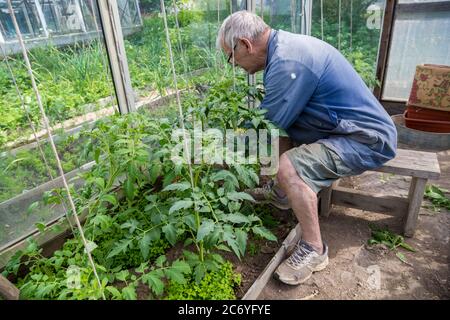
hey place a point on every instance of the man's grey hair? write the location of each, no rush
(241, 24)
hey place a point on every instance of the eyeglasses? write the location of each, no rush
(231, 53)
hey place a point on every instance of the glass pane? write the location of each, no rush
(51, 15)
(356, 34)
(282, 14)
(76, 90)
(68, 17)
(128, 12)
(89, 9)
(193, 27)
(418, 38)
(27, 18)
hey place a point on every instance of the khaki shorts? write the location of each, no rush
(317, 165)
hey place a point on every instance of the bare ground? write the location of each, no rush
(358, 271)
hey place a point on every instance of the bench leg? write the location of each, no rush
(325, 200)
(415, 197)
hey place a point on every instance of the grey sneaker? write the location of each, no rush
(301, 264)
(268, 194)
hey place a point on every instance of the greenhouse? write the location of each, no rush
(190, 149)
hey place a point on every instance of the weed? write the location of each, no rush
(390, 240)
(437, 197)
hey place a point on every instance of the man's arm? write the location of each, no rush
(289, 86)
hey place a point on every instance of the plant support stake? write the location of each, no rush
(180, 109)
(52, 143)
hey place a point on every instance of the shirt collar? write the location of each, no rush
(270, 47)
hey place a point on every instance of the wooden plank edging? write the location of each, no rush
(8, 291)
(255, 290)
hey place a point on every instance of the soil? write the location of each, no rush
(359, 271)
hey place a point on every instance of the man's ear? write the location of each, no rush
(245, 42)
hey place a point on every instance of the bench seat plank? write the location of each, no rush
(413, 163)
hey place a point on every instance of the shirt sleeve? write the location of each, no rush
(289, 86)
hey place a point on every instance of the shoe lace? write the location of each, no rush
(300, 255)
(266, 188)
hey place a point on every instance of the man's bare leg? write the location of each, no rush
(303, 201)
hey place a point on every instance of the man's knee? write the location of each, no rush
(284, 169)
(288, 177)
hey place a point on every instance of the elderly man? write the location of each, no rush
(315, 95)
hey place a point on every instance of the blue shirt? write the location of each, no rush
(315, 95)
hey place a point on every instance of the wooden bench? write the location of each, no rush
(421, 166)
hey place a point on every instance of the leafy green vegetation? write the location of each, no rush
(160, 207)
(217, 285)
(437, 197)
(390, 240)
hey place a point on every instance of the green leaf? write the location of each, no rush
(199, 273)
(223, 248)
(109, 198)
(235, 218)
(115, 293)
(168, 178)
(171, 233)
(236, 196)
(142, 267)
(256, 122)
(40, 226)
(211, 265)
(131, 225)
(175, 275)
(241, 239)
(56, 228)
(191, 257)
(129, 292)
(100, 182)
(32, 207)
(103, 220)
(144, 245)
(181, 266)
(402, 257)
(154, 234)
(160, 261)
(128, 187)
(189, 220)
(155, 171)
(263, 232)
(231, 241)
(122, 275)
(178, 186)
(211, 239)
(97, 155)
(120, 246)
(227, 176)
(154, 282)
(217, 257)
(406, 246)
(247, 176)
(181, 204)
(90, 246)
(206, 227)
